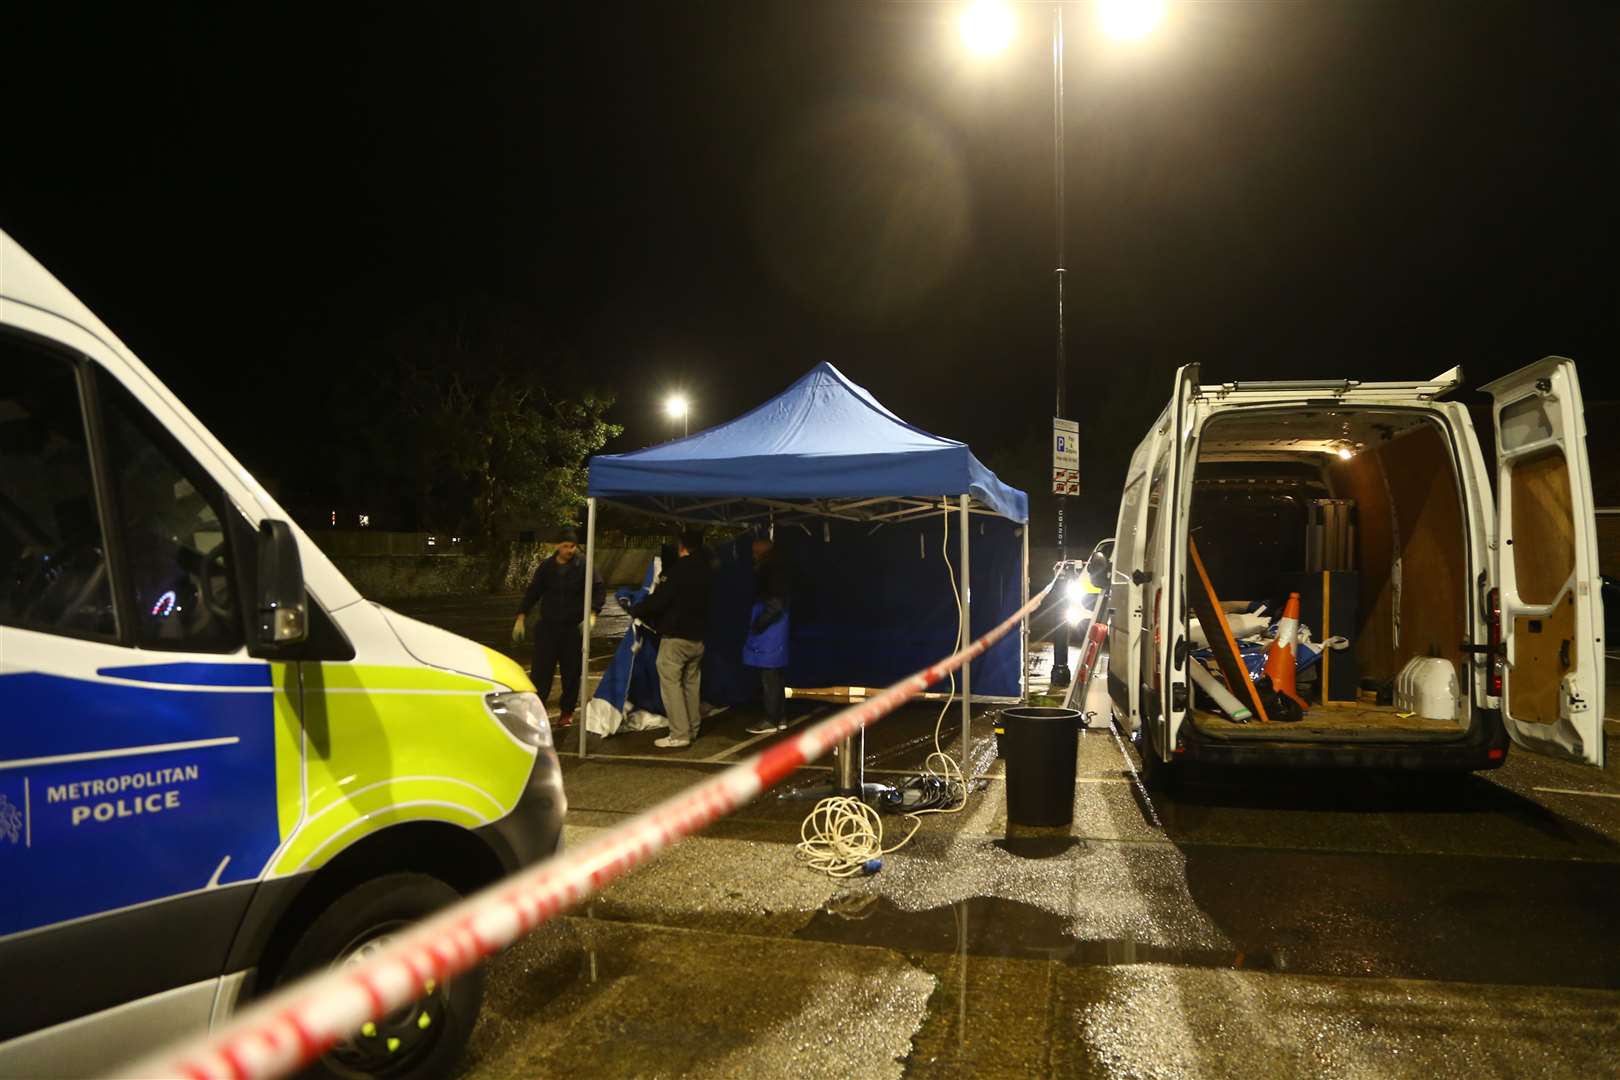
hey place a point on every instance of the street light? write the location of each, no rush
(676, 407)
(1129, 20)
(987, 27)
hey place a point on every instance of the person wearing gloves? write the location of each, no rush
(679, 610)
(558, 587)
(766, 646)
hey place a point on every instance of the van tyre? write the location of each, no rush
(1158, 775)
(423, 1039)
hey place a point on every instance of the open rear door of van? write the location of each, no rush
(1165, 593)
(1547, 570)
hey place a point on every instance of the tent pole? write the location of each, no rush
(585, 625)
(1023, 628)
(966, 615)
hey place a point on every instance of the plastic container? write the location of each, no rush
(1040, 747)
(1427, 685)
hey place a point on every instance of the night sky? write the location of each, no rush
(718, 196)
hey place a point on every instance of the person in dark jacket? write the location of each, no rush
(679, 610)
(766, 646)
(558, 587)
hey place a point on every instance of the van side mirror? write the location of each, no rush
(283, 612)
(1099, 569)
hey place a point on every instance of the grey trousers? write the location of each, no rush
(680, 663)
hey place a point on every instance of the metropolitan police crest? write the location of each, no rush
(11, 822)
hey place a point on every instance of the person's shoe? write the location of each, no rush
(765, 727)
(670, 743)
(566, 720)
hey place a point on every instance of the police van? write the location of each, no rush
(220, 766)
(1476, 606)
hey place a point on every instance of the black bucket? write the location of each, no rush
(1040, 745)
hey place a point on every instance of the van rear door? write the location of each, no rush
(1547, 571)
(1124, 611)
(1165, 695)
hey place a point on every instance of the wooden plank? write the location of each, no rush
(1207, 606)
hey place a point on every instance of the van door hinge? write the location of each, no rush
(1178, 697)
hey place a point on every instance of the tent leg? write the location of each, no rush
(585, 624)
(1023, 627)
(966, 615)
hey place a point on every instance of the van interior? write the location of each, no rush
(1358, 510)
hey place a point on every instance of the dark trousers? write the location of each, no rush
(557, 643)
(772, 679)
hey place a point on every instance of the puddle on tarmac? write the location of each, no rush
(991, 926)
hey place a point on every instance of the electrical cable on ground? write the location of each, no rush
(843, 835)
(297, 1024)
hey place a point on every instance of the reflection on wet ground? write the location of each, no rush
(1384, 917)
(991, 926)
(1249, 925)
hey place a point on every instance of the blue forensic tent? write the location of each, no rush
(823, 438)
(883, 525)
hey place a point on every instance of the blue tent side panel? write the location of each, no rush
(632, 675)
(871, 608)
(726, 680)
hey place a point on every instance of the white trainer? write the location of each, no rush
(670, 743)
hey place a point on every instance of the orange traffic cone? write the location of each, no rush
(1280, 657)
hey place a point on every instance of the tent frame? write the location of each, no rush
(745, 511)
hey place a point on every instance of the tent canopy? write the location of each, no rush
(824, 445)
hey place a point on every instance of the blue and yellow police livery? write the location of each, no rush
(220, 766)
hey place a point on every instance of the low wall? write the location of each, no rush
(389, 577)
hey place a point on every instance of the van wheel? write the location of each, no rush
(1158, 776)
(422, 1039)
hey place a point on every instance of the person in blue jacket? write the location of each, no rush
(766, 647)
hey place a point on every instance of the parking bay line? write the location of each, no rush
(1577, 791)
(723, 755)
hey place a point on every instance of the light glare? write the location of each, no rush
(1344, 453)
(675, 406)
(1129, 20)
(987, 27)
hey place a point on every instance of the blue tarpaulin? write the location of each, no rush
(870, 608)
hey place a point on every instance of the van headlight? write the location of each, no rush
(523, 714)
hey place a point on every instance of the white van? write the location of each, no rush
(220, 767)
(1499, 591)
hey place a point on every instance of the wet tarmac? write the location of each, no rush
(1250, 925)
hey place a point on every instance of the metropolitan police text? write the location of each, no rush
(112, 785)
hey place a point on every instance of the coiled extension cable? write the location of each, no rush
(843, 836)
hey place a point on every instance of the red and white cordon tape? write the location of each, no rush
(299, 1024)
